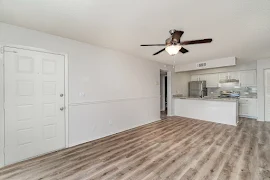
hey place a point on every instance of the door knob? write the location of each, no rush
(62, 109)
(61, 95)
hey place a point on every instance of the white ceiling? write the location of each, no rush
(239, 28)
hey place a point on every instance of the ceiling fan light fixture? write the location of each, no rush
(173, 49)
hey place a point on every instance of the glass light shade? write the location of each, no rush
(173, 49)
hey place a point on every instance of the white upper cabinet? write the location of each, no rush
(223, 76)
(248, 78)
(203, 77)
(234, 75)
(194, 78)
(198, 77)
(212, 80)
(229, 75)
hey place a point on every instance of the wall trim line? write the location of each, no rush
(112, 101)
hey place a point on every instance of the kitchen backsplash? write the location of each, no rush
(244, 91)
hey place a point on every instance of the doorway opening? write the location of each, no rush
(163, 94)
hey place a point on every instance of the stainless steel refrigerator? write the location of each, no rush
(197, 89)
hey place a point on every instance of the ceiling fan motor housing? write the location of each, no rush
(175, 37)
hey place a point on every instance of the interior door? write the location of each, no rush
(267, 94)
(34, 95)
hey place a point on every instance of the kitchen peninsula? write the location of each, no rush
(217, 110)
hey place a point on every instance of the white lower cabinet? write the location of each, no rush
(248, 107)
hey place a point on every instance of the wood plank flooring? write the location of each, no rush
(170, 149)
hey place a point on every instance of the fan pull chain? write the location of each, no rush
(173, 62)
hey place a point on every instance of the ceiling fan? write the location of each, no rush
(174, 45)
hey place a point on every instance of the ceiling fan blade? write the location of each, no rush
(201, 41)
(183, 50)
(153, 45)
(159, 51)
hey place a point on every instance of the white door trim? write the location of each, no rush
(2, 133)
(264, 89)
(169, 92)
(66, 92)
(162, 92)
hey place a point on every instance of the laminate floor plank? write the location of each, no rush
(169, 149)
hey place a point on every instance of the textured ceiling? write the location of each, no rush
(239, 28)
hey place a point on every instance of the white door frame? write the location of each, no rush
(162, 91)
(169, 92)
(2, 133)
(2, 86)
(264, 90)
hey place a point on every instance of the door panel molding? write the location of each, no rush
(2, 95)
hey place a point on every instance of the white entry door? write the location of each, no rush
(34, 104)
(267, 94)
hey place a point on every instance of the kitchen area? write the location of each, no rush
(220, 95)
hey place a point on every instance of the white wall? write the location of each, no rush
(180, 83)
(121, 91)
(261, 66)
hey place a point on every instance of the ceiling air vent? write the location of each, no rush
(201, 65)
